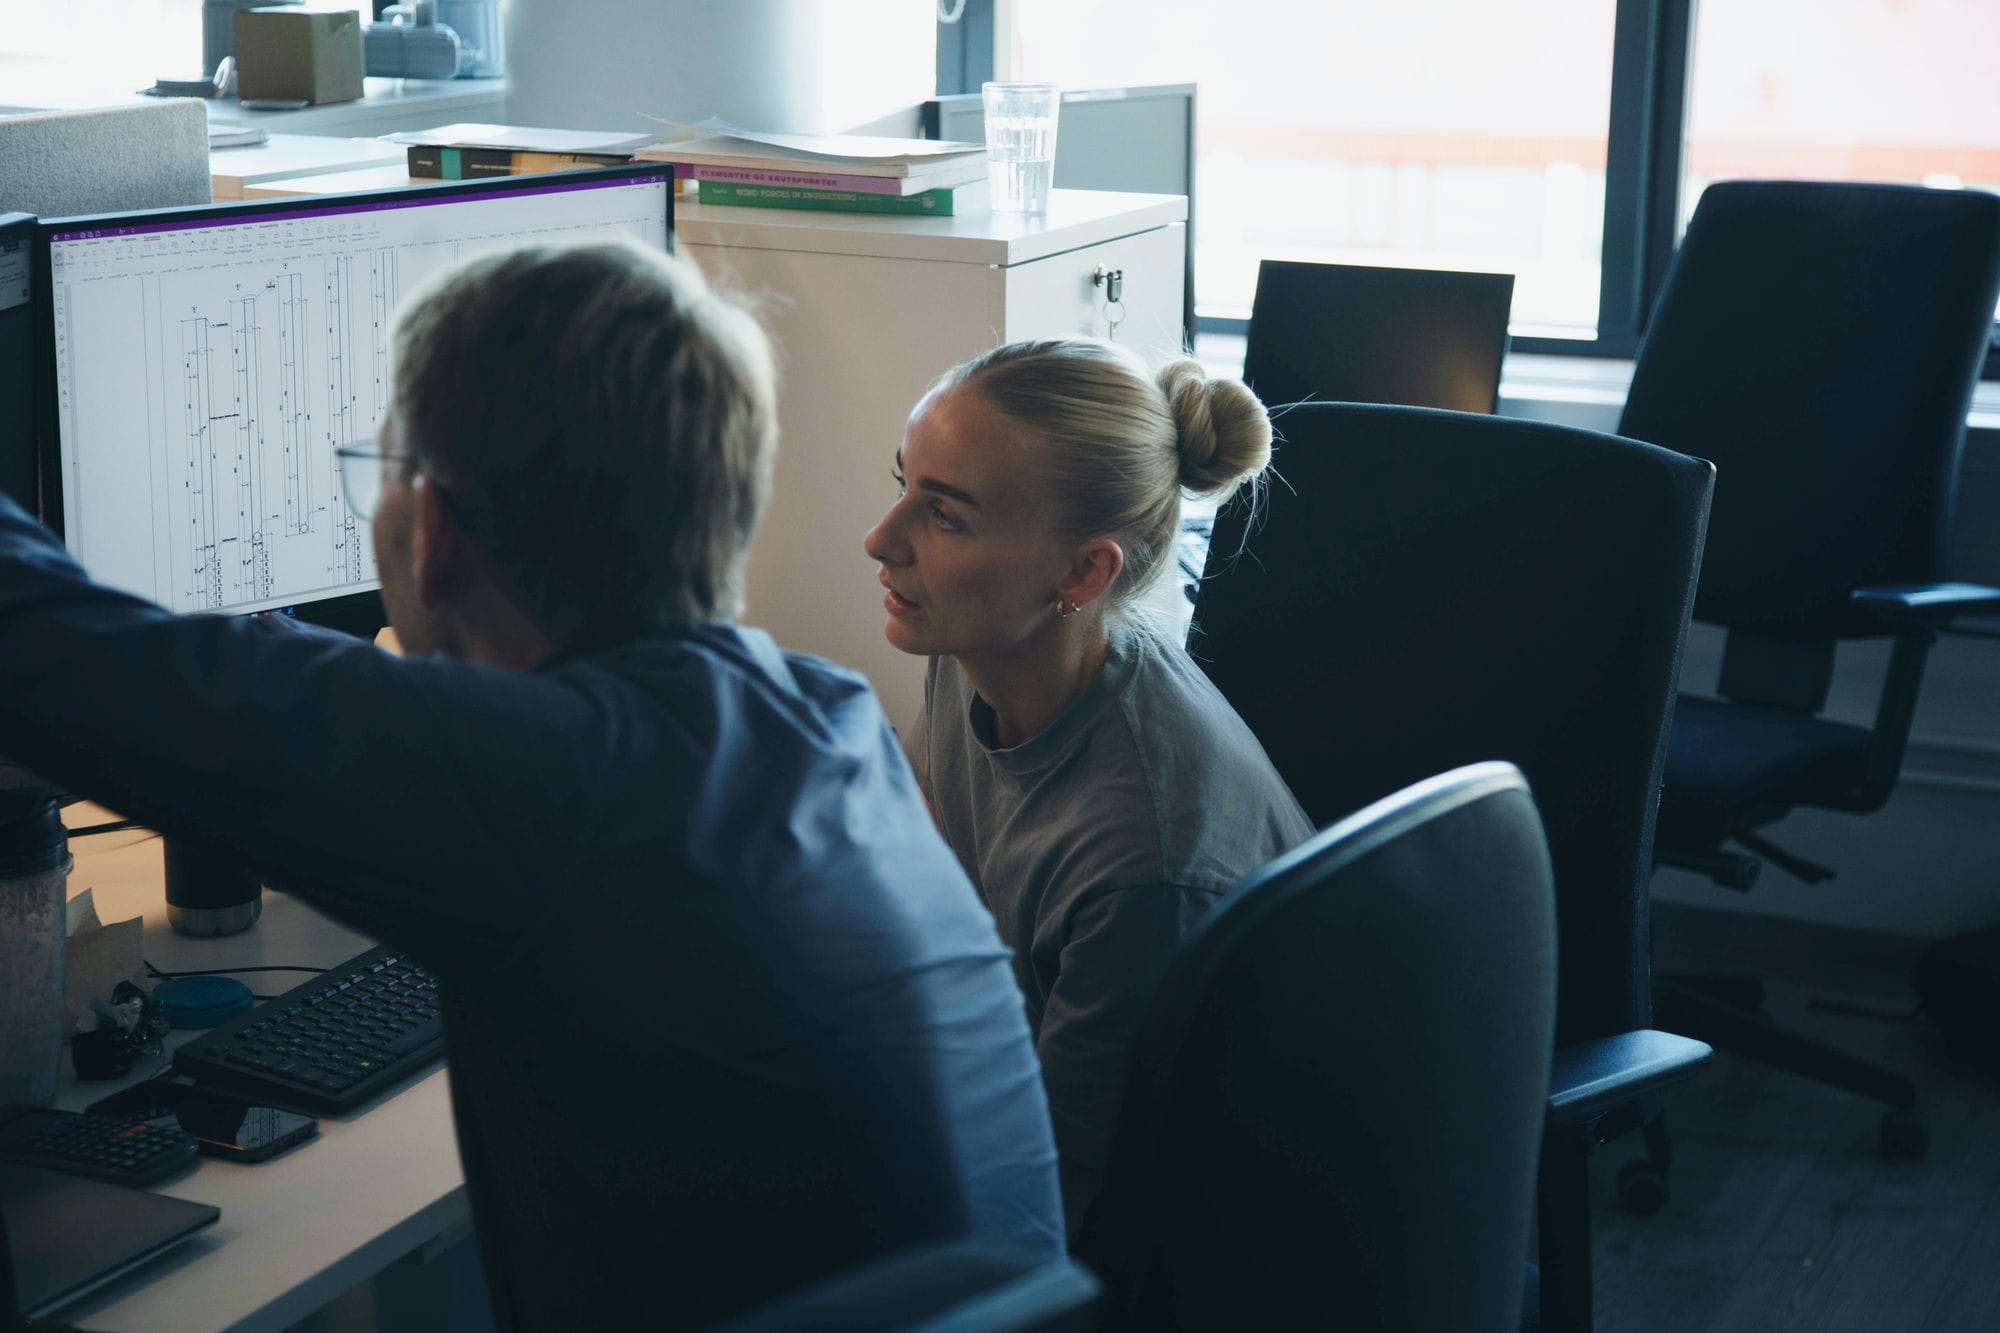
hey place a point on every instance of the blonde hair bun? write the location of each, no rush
(1224, 432)
(1120, 445)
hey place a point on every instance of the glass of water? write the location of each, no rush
(1020, 145)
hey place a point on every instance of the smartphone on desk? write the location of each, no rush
(223, 1126)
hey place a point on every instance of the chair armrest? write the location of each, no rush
(1591, 1077)
(1926, 604)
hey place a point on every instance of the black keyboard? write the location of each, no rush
(330, 1043)
(124, 1152)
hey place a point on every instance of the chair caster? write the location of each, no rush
(1904, 1138)
(1642, 1187)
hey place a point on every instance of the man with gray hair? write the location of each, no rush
(723, 1012)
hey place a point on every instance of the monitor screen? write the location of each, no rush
(205, 364)
(1363, 333)
(17, 361)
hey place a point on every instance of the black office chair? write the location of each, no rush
(955, 1287)
(1365, 333)
(1336, 1097)
(1425, 589)
(1819, 342)
(10, 1299)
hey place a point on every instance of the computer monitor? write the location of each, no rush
(203, 364)
(17, 362)
(1358, 333)
(1138, 139)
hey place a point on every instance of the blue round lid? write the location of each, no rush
(202, 1002)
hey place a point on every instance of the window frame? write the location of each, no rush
(1652, 61)
(965, 49)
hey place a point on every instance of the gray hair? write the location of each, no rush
(602, 424)
(1122, 444)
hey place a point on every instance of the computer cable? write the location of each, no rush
(115, 826)
(155, 974)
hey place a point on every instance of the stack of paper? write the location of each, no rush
(524, 139)
(235, 136)
(863, 164)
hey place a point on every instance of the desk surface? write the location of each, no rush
(302, 1228)
(387, 104)
(392, 176)
(233, 171)
(35, 83)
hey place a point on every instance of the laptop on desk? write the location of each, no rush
(66, 1235)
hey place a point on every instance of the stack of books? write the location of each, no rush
(840, 172)
(472, 152)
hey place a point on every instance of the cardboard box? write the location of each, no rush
(298, 55)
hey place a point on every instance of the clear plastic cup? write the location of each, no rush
(34, 878)
(1020, 145)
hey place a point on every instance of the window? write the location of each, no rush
(1438, 133)
(137, 40)
(1888, 90)
(131, 42)
(1566, 142)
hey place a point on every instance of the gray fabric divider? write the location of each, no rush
(148, 155)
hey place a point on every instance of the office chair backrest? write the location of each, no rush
(1337, 1095)
(1427, 589)
(1361, 333)
(952, 1287)
(1819, 343)
(150, 155)
(10, 1299)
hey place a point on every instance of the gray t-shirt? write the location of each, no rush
(1098, 844)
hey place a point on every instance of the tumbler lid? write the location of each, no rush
(33, 840)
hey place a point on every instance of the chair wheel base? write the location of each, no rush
(1642, 1188)
(1904, 1138)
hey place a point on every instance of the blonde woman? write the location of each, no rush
(1096, 787)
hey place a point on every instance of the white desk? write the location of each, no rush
(386, 105)
(33, 83)
(299, 1230)
(393, 176)
(235, 173)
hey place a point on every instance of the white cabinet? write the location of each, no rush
(866, 312)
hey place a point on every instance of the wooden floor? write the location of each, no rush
(1782, 1214)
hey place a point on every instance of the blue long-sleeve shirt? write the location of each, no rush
(723, 1012)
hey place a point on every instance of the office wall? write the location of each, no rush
(1928, 863)
(809, 65)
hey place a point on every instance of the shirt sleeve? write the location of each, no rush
(393, 791)
(1116, 948)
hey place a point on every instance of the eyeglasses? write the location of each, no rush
(362, 467)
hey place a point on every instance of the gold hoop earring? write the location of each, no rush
(1064, 610)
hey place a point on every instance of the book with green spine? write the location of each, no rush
(943, 202)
